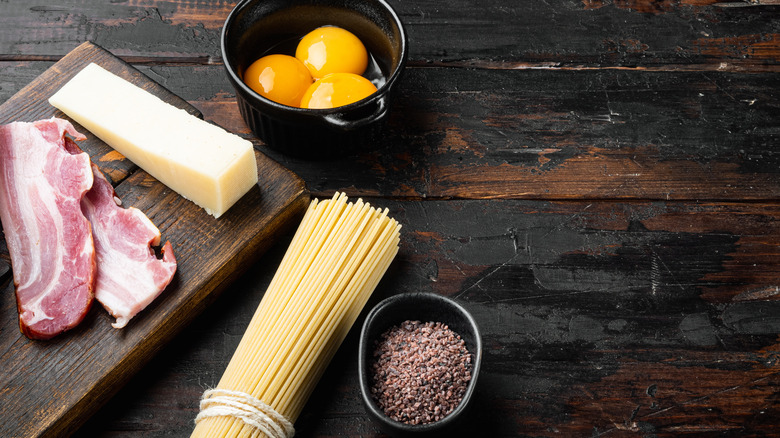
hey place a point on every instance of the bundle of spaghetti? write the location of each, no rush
(334, 262)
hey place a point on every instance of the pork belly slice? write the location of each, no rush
(129, 275)
(43, 178)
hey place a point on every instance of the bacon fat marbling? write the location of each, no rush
(43, 178)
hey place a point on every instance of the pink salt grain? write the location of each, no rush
(420, 372)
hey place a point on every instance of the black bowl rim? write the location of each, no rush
(250, 93)
(389, 303)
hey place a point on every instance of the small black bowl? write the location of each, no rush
(256, 28)
(424, 307)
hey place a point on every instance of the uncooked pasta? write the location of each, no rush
(334, 262)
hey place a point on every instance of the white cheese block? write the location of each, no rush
(202, 162)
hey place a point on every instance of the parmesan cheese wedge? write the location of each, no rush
(202, 162)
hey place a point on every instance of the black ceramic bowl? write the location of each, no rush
(259, 27)
(422, 307)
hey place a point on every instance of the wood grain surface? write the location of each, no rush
(49, 388)
(598, 181)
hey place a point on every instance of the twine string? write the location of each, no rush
(223, 402)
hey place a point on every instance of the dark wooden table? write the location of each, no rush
(597, 181)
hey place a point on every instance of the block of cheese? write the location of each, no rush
(202, 162)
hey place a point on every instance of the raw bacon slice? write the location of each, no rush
(43, 177)
(129, 274)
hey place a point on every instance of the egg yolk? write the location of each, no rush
(281, 78)
(337, 89)
(331, 49)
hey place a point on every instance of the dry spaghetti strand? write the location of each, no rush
(334, 262)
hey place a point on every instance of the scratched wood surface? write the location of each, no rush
(597, 181)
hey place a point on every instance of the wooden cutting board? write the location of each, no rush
(49, 388)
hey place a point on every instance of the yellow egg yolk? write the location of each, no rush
(331, 49)
(281, 78)
(337, 89)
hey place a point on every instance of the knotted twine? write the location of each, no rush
(222, 402)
